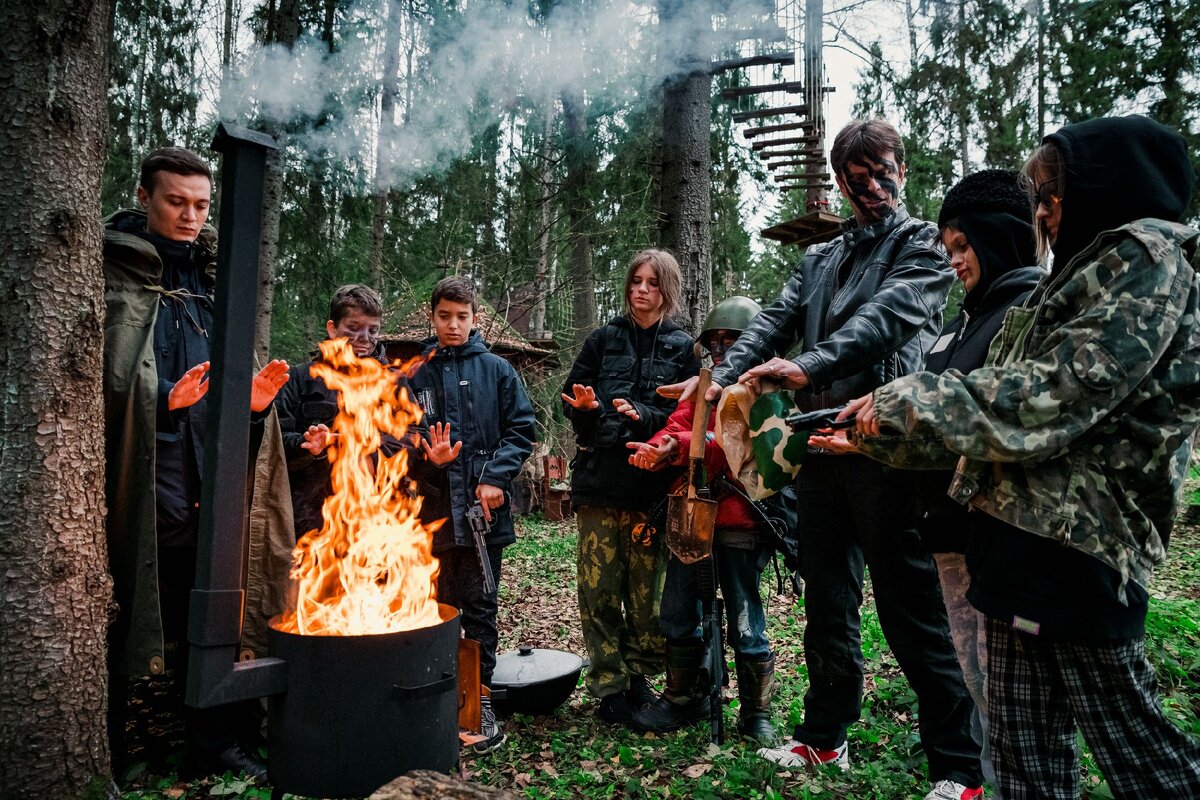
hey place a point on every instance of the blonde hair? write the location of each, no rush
(1046, 164)
(666, 270)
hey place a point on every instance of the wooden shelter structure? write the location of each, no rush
(530, 361)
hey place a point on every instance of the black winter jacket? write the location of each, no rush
(963, 345)
(608, 362)
(482, 398)
(865, 306)
(303, 401)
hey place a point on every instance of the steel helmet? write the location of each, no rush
(731, 314)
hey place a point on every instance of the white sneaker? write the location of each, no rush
(793, 754)
(949, 790)
(492, 730)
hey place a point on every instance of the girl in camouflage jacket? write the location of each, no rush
(1073, 444)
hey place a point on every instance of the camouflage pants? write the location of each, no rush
(968, 631)
(620, 586)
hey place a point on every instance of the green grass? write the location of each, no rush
(571, 755)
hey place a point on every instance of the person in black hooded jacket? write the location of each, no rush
(307, 407)
(468, 392)
(1074, 442)
(610, 399)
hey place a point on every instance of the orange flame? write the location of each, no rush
(370, 568)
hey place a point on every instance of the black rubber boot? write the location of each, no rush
(639, 694)
(684, 701)
(756, 685)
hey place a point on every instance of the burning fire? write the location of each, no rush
(370, 568)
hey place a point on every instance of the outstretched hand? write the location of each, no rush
(316, 439)
(267, 383)
(652, 457)
(582, 397)
(438, 449)
(188, 390)
(627, 408)
(685, 389)
(836, 442)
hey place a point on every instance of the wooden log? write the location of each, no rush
(745, 116)
(797, 162)
(808, 177)
(769, 154)
(423, 784)
(791, 187)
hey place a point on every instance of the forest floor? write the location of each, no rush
(571, 754)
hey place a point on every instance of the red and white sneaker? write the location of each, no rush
(949, 790)
(795, 754)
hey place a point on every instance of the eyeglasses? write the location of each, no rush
(1043, 195)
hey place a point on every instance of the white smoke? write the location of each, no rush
(489, 59)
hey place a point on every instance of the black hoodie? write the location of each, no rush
(1118, 169)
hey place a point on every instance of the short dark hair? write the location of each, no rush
(456, 289)
(869, 138)
(354, 297)
(175, 160)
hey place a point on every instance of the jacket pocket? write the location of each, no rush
(480, 461)
(617, 369)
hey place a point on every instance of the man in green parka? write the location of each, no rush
(160, 270)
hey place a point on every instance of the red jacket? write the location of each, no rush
(733, 510)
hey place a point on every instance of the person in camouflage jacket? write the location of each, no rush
(1072, 446)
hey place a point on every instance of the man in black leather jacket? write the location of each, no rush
(865, 307)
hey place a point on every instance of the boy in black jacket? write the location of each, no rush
(466, 389)
(306, 406)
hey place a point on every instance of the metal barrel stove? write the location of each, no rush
(361, 710)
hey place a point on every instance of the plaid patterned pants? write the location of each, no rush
(1038, 691)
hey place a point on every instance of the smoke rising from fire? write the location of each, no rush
(488, 59)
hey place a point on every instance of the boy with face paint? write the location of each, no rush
(867, 307)
(307, 406)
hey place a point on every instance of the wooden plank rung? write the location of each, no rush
(745, 116)
(750, 133)
(792, 87)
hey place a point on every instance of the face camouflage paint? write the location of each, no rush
(872, 187)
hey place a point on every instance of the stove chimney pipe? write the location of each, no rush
(215, 676)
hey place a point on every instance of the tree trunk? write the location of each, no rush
(286, 26)
(581, 165)
(389, 89)
(543, 279)
(54, 585)
(685, 211)
(963, 101)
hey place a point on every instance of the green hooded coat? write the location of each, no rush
(131, 267)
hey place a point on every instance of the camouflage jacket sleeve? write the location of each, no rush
(922, 451)
(1097, 332)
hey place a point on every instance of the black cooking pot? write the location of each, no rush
(534, 681)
